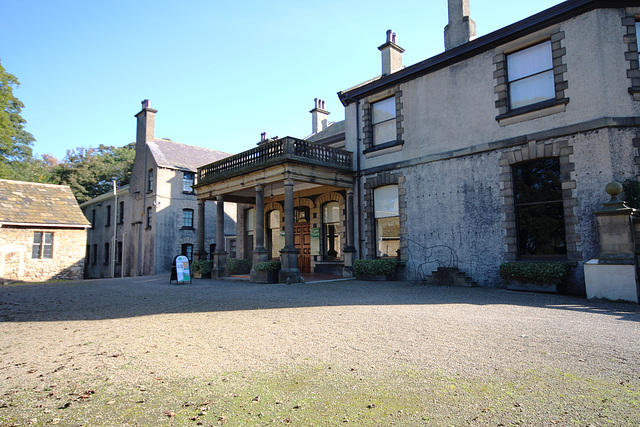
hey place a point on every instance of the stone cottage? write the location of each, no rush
(42, 232)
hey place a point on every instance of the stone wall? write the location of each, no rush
(16, 263)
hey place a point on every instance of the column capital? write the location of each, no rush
(220, 198)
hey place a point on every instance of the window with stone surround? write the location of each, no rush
(42, 245)
(94, 255)
(531, 78)
(108, 221)
(106, 253)
(188, 179)
(539, 210)
(149, 180)
(187, 218)
(530, 75)
(387, 221)
(520, 204)
(382, 122)
(187, 250)
(149, 217)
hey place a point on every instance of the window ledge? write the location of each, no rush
(387, 147)
(188, 192)
(533, 111)
(187, 228)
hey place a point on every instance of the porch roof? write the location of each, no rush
(270, 163)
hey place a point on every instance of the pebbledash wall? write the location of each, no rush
(67, 262)
(457, 142)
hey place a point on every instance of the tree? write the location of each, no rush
(15, 141)
(90, 172)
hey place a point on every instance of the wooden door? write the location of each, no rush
(302, 242)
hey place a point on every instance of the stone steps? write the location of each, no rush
(449, 276)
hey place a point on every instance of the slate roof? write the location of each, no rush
(34, 204)
(332, 130)
(174, 155)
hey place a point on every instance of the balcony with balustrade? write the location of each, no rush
(276, 153)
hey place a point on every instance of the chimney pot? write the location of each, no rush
(145, 103)
(391, 54)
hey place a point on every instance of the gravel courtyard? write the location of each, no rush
(141, 351)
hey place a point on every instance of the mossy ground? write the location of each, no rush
(320, 395)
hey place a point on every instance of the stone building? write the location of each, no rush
(156, 216)
(42, 232)
(494, 150)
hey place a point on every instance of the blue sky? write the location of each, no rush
(219, 73)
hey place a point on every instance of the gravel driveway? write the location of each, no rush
(134, 330)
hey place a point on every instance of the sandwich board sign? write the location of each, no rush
(180, 271)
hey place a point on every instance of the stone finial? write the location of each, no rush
(615, 204)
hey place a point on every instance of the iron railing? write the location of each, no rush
(272, 153)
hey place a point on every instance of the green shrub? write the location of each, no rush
(553, 273)
(238, 266)
(267, 266)
(202, 267)
(631, 188)
(374, 267)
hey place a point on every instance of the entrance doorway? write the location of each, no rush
(302, 242)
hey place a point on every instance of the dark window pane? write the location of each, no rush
(539, 208)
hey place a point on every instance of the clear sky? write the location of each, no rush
(218, 72)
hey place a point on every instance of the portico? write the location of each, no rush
(298, 194)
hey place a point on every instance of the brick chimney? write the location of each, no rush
(319, 116)
(146, 124)
(391, 54)
(461, 27)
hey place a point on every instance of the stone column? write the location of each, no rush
(201, 253)
(220, 255)
(349, 250)
(289, 254)
(260, 253)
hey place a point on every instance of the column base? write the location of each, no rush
(219, 265)
(290, 273)
(349, 256)
(259, 255)
(200, 256)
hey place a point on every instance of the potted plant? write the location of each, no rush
(375, 269)
(202, 269)
(534, 276)
(270, 269)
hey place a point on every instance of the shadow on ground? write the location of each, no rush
(97, 299)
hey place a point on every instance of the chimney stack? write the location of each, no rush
(319, 116)
(391, 54)
(145, 126)
(461, 27)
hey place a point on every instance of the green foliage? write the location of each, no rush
(15, 141)
(90, 172)
(202, 267)
(374, 267)
(238, 266)
(268, 266)
(553, 273)
(631, 189)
